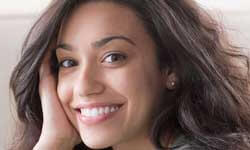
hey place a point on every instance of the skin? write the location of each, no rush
(88, 74)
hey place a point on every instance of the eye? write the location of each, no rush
(114, 57)
(67, 63)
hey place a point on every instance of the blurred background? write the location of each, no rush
(17, 17)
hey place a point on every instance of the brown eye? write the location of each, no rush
(114, 57)
(67, 63)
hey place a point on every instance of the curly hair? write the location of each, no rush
(211, 105)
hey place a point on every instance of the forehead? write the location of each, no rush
(93, 20)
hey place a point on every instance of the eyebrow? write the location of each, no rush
(99, 43)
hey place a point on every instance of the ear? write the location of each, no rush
(170, 80)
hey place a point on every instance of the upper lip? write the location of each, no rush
(96, 104)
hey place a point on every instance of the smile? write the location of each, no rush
(94, 112)
(94, 115)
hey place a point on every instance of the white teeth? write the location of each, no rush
(112, 109)
(107, 110)
(101, 110)
(93, 112)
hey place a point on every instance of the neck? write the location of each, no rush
(143, 142)
(139, 143)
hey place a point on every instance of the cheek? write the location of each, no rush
(140, 87)
(140, 90)
(139, 83)
(64, 89)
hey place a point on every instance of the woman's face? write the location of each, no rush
(109, 79)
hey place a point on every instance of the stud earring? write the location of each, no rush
(171, 80)
(171, 85)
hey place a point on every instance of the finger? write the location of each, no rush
(47, 90)
(45, 66)
(44, 69)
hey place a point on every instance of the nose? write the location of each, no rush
(88, 83)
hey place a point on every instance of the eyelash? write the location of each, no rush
(74, 63)
(116, 54)
(67, 60)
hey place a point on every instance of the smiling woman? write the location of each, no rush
(131, 75)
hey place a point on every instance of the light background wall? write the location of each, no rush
(17, 16)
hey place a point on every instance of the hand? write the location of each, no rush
(57, 131)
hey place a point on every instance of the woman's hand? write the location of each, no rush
(57, 131)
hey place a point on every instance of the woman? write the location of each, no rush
(126, 74)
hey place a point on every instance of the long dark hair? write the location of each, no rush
(211, 105)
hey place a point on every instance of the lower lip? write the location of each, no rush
(98, 119)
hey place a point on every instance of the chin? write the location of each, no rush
(97, 143)
(96, 146)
